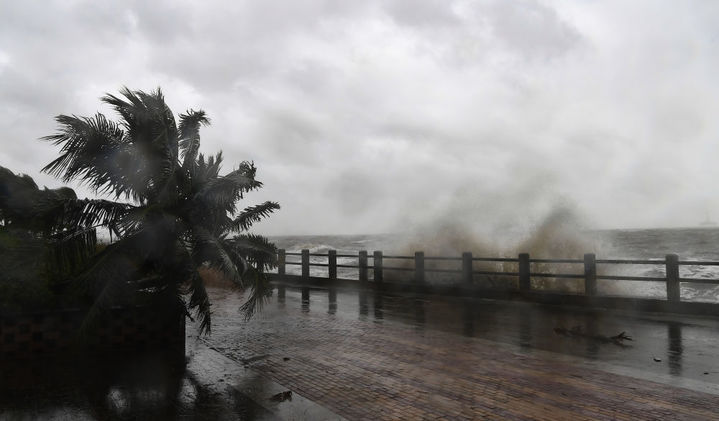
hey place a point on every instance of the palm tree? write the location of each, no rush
(178, 215)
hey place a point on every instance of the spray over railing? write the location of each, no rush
(465, 273)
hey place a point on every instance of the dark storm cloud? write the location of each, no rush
(368, 116)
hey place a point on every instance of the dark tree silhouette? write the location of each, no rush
(179, 214)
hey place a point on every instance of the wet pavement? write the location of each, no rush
(322, 354)
(367, 356)
(147, 386)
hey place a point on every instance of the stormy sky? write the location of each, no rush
(375, 116)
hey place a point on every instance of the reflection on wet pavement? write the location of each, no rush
(139, 386)
(368, 355)
(530, 326)
(682, 342)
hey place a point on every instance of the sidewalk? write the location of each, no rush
(220, 374)
(365, 367)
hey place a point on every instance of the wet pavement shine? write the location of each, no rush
(368, 356)
(324, 354)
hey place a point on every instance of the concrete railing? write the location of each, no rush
(465, 271)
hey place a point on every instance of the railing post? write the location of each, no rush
(467, 268)
(419, 267)
(673, 293)
(363, 267)
(332, 275)
(524, 281)
(305, 299)
(377, 264)
(281, 259)
(332, 264)
(332, 300)
(590, 274)
(305, 263)
(281, 268)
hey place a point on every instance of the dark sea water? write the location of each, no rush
(688, 243)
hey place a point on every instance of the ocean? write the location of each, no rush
(688, 243)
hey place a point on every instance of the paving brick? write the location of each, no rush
(364, 369)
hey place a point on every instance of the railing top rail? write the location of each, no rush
(557, 275)
(631, 278)
(494, 259)
(632, 261)
(698, 263)
(354, 266)
(556, 261)
(443, 271)
(442, 258)
(489, 272)
(397, 268)
(531, 260)
(699, 280)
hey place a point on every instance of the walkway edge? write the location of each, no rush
(214, 367)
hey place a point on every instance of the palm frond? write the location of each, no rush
(256, 249)
(260, 292)
(145, 116)
(132, 221)
(201, 302)
(151, 129)
(92, 213)
(207, 249)
(98, 152)
(253, 214)
(189, 127)
(247, 168)
(204, 170)
(224, 192)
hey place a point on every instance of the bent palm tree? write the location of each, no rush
(182, 213)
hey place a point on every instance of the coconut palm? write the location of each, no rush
(177, 213)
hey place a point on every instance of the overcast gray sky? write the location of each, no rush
(373, 116)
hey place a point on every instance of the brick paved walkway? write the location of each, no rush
(375, 369)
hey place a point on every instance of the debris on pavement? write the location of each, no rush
(282, 396)
(578, 332)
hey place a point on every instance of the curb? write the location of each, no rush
(218, 371)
